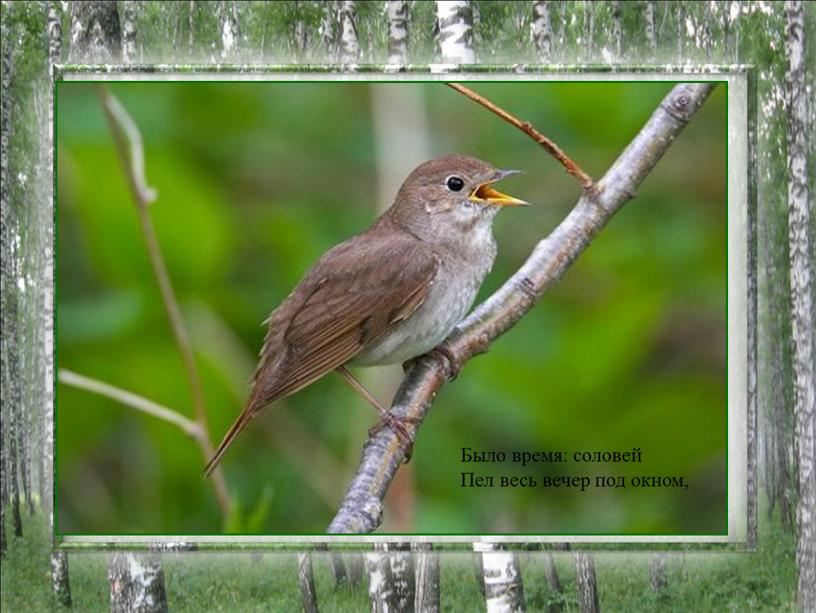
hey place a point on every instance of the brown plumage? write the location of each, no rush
(387, 294)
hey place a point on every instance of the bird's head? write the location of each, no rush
(451, 194)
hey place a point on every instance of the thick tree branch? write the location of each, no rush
(129, 146)
(140, 403)
(361, 509)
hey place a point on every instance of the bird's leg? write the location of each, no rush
(386, 418)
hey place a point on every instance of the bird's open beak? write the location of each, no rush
(484, 194)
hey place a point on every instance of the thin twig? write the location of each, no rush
(525, 126)
(361, 509)
(140, 403)
(132, 158)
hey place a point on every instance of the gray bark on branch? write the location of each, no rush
(361, 509)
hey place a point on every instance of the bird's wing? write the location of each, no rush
(356, 293)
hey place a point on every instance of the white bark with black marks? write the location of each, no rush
(426, 563)
(129, 49)
(10, 350)
(617, 27)
(680, 23)
(586, 584)
(328, 30)
(23, 407)
(349, 44)
(230, 30)
(752, 321)
(504, 591)
(95, 33)
(801, 285)
(3, 544)
(542, 30)
(59, 578)
(136, 584)
(651, 30)
(455, 21)
(401, 566)
(657, 573)
(191, 28)
(397, 32)
(308, 593)
(589, 30)
(381, 591)
(12, 383)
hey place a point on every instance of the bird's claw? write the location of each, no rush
(441, 354)
(444, 354)
(397, 425)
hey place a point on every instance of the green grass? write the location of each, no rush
(257, 581)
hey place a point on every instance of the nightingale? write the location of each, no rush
(388, 294)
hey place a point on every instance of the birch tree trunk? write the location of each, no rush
(401, 565)
(455, 31)
(752, 416)
(191, 29)
(60, 582)
(651, 31)
(586, 584)
(426, 562)
(129, 50)
(10, 353)
(542, 30)
(589, 29)
(13, 383)
(381, 591)
(397, 32)
(617, 27)
(504, 592)
(308, 593)
(136, 584)
(355, 562)
(801, 301)
(2, 486)
(95, 33)
(328, 36)
(349, 45)
(552, 573)
(680, 19)
(657, 573)
(338, 568)
(300, 35)
(60, 578)
(230, 31)
(5, 246)
(23, 433)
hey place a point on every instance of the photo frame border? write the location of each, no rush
(741, 248)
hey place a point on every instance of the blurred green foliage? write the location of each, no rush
(255, 182)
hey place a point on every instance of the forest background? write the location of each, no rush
(355, 34)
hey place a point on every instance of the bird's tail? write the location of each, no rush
(240, 423)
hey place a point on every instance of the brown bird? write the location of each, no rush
(388, 294)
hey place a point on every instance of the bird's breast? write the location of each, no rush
(452, 294)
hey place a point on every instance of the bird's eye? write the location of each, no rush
(455, 184)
